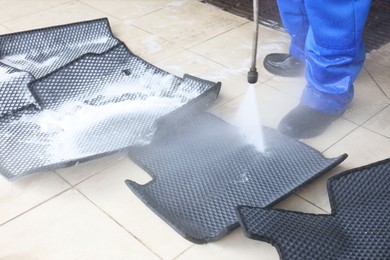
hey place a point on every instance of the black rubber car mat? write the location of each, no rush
(358, 228)
(42, 51)
(98, 104)
(14, 94)
(202, 169)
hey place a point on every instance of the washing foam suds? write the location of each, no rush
(248, 120)
(101, 40)
(21, 59)
(24, 61)
(78, 129)
(67, 125)
(6, 74)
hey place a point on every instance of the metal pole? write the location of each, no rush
(252, 74)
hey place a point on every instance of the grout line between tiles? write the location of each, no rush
(341, 138)
(371, 130)
(373, 79)
(184, 251)
(215, 36)
(118, 223)
(92, 175)
(364, 122)
(313, 204)
(353, 130)
(70, 184)
(33, 13)
(9, 29)
(39, 204)
(101, 10)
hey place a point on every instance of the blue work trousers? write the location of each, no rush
(327, 35)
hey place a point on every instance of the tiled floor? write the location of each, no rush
(87, 212)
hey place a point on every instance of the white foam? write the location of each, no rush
(101, 40)
(7, 75)
(66, 125)
(21, 59)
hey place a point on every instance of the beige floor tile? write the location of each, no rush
(11, 10)
(380, 56)
(25, 193)
(68, 227)
(234, 48)
(272, 104)
(109, 192)
(380, 74)
(231, 247)
(317, 192)
(369, 99)
(380, 123)
(363, 147)
(126, 10)
(237, 246)
(335, 132)
(188, 24)
(69, 12)
(291, 86)
(233, 83)
(82, 171)
(146, 45)
(4, 30)
(296, 203)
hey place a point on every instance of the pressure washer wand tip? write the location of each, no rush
(252, 76)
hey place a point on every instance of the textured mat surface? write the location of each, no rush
(202, 169)
(42, 51)
(376, 32)
(94, 105)
(14, 94)
(359, 227)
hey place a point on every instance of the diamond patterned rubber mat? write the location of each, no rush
(42, 51)
(358, 228)
(14, 94)
(92, 106)
(202, 169)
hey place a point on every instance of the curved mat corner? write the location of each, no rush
(358, 228)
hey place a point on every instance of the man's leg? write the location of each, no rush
(296, 23)
(334, 57)
(334, 52)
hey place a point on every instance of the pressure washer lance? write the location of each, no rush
(252, 74)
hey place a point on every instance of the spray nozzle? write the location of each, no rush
(252, 76)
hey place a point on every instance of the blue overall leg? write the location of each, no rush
(328, 34)
(334, 52)
(296, 23)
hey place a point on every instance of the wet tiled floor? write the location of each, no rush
(87, 212)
